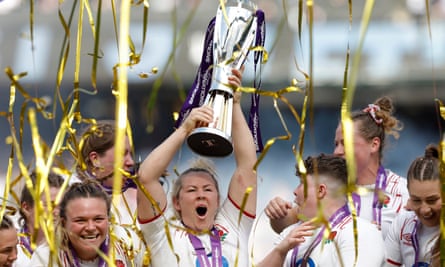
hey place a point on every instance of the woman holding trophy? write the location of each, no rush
(204, 231)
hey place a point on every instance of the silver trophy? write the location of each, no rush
(232, 39)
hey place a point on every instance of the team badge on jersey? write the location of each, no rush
(119, 263)
(386, 201)
(331, 237)
(222, 232)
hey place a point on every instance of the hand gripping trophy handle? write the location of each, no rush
(233, 36)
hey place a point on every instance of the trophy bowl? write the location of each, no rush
(214, 140)
(210, 142)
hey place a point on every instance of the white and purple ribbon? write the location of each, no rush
(335, 219)
(415, 240)
(129, 183)
(24, 239)
(377, 205)
(201, 253)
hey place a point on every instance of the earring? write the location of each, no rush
(95, 163)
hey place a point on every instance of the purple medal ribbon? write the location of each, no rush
(380, 186)
(104, 247)
(25, 240)
(415, 240)
(197, 94)
(335, 219)
(129, 183)
(201, 253)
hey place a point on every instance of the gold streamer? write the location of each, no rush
(275, 95)
(240, 216)
(43, 217)
(63, 57)
(441, 259)
(7, 185)
(346, 121)
(78, 48)
(442, 178)
(96, 35)
(121, 106)
(442, 181)
(178, 39)
(41, 185)
(155, 205)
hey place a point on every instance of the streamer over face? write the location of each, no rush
(98, 151)
(28, 212)
(363, 148)
(325, 178)
(307, 204)
(103, 162)
(86, 223)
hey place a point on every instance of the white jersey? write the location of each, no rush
(233, 238)
(123, 257)
(124, 210)
(399, 241)
(341, 237)
(396, 196)
(23, 257)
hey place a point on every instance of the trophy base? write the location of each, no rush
(210, 142)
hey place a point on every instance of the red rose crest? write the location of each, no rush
(119, 263)
(331, 237)
(222, 232)
(406, 239)
(222, 235)
(386, 201)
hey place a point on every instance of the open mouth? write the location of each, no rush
(201, 211)
(89, 237)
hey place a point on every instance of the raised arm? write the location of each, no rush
(158, 160)
(245, 156)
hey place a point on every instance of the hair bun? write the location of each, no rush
(431, 151)
(385, 104)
